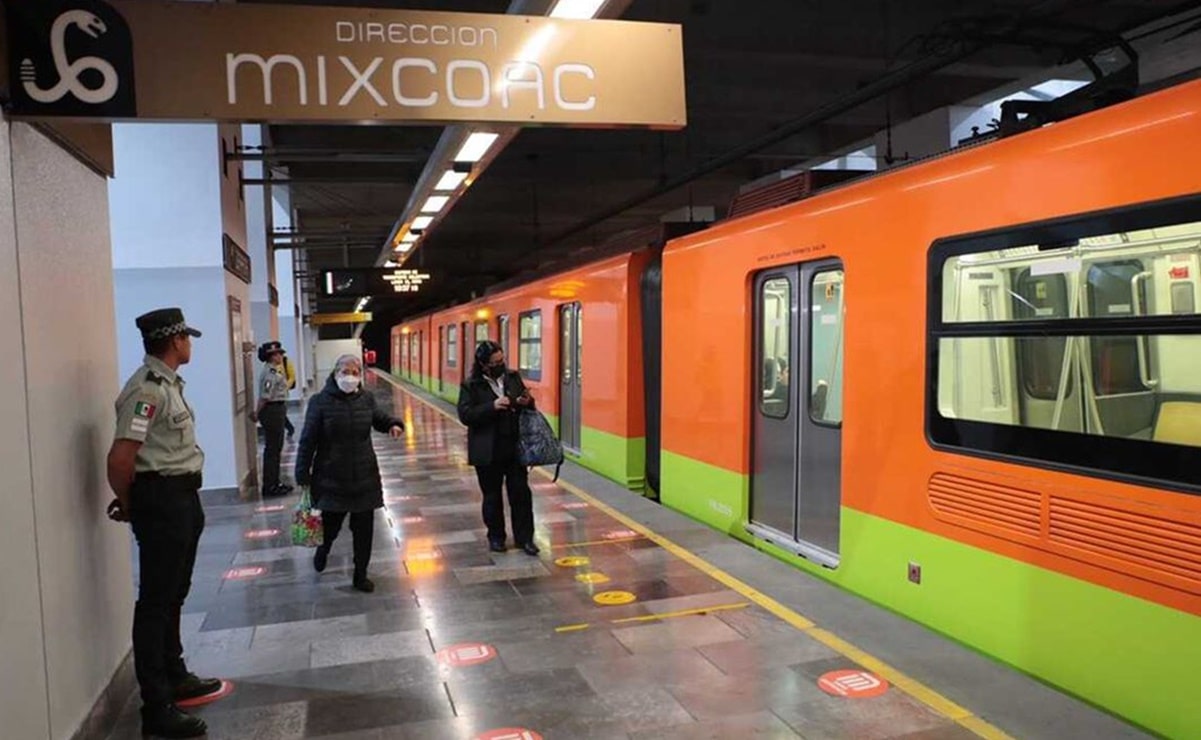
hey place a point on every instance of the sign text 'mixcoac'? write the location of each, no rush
(131, 59)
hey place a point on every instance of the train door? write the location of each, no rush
(1050, 398)
(1121, 368)
(796, 488)
(571, 320)
(439, 355)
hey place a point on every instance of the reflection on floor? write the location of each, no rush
(606, 635)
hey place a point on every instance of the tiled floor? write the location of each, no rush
(457, 641)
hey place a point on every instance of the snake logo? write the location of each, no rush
(74, 58)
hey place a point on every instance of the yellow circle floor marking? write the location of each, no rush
(613, 598)
(592, 578)
(572, 561)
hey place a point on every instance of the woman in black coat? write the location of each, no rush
(336, 459)
(488, 404)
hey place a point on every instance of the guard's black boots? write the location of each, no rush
(193, 687)
(168, 722)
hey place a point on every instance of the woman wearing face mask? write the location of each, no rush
(488, 404)
(335, 457)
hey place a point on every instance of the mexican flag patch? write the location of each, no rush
(144, 410)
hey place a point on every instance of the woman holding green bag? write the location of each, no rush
(336, 461)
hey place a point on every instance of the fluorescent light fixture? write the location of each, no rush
(408, 238)
(422, 222)
(389, 263)
(451, 180)
(404, 248)
(476, 146)
(435, 203)
(578, 9)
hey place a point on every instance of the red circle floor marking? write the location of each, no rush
(509, 733)
(237, 574)
(269, 509)
(467, 653)
(227, 688)
(261, 534)
(574, 505)
(619, 534)
(852, 684)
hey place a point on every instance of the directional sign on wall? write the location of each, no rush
(188, 61)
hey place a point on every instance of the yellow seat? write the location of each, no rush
(1179, 423)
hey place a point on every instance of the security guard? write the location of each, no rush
(272, 412)
(154, 469)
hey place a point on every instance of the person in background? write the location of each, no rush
(337, 460)
(154, 469)
(290, 374)
(272, 413)
(488, 403)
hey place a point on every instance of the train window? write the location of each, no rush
(825, 352)
(452, 345)
(1073, 344)
(502, 331)
(481, 331)
(529, 350)
(776, 306)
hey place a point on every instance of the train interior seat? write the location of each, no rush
(1178, 422)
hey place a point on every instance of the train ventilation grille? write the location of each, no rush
(1142, 540)
(967, 501)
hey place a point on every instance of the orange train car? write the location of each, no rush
(575, 339)
(967, 389)
(970, 390)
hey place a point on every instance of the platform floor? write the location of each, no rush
(717, 640)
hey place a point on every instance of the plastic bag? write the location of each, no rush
(307, 529)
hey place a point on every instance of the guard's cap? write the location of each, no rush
(266, 349)
(162, 323)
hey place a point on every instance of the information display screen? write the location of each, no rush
(369, 282)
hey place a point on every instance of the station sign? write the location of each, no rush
(371, 282)
(196, 61)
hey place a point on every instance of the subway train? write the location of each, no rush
(967, 389)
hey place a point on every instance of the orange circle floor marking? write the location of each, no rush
(467, 653)
(227, 688)
(852, 684)
(573, 561)
(508, 733)
(614, 598)
(237, 574)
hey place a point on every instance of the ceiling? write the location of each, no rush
(750, 67)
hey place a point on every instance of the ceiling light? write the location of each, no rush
(579, 9)
(404, 248)
(408, 238)
(435, 203)
(451, 180)
(422, 221)
(389, 263)
(476, 146)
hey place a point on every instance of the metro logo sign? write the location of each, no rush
(187, 61)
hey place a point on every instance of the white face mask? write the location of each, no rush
(347, 383)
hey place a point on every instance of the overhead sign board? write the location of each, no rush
(188, 61)
(319, 319)
(369, 282)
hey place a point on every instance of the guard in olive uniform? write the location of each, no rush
(272, 412)
(154, 469)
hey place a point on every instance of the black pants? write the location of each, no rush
(272, 418)
(362, 532)
(514, 477)
(288, 426)
(167, 521)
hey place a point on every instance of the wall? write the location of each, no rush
(329, 350)
(66, 612)
(171, 202)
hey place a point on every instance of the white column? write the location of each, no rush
(172, 204)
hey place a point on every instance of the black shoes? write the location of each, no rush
(283, 489)
(320, 557)
(364, 584)
(167, 721)
(496, 545)
(194, 687)
(530, 549)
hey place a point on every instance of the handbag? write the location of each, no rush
(307, 528)
(536, 441)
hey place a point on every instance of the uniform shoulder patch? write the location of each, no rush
(144, 410)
